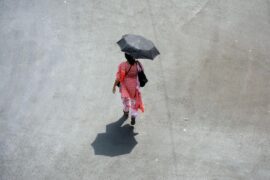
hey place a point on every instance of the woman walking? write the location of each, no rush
(127, 76)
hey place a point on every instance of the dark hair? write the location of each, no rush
(130, 59)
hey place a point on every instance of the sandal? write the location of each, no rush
(132, 120)
(126, 114)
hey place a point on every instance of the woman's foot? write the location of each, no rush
(132, 120)
(125, 114)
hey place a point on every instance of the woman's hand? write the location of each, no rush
(114, 85)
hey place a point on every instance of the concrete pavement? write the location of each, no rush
(207, 101)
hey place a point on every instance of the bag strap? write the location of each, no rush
(139, 65)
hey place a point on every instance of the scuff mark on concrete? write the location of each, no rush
(196, 13)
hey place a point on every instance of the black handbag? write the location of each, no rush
(118, 84)
(142, 77)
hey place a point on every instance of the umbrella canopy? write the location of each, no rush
(138, 47)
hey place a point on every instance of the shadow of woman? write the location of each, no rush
(117, 140)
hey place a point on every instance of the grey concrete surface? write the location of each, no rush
(207, 101)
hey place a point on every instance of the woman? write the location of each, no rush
(127, 76)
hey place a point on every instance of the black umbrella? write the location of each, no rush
(138, 47)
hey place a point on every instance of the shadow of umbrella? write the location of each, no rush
(117, 140)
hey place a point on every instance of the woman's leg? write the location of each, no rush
(126, 105)
(134, 111)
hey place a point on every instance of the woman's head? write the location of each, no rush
(130, 59)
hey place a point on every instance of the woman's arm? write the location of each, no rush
(120, 75)
(114, 85)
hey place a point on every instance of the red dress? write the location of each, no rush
(130, 87)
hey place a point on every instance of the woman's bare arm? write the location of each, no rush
(114, 85)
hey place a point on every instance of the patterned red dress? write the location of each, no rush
(129, 83)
